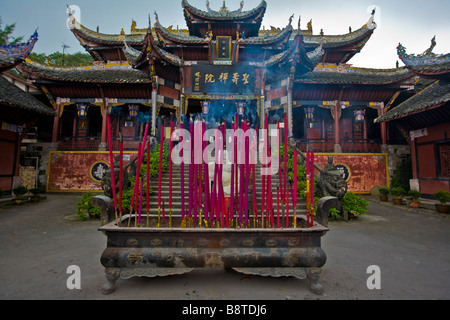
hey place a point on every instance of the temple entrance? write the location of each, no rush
(223, 110)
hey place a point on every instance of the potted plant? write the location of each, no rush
(384, 192)
(415, 195)
(85, 207)
(397, 194)
(443, 197)
(354, 206)
(35, 192)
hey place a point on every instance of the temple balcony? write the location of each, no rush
(94, 144)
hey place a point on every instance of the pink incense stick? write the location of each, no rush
(191, 171)
(140, 202)
(285, 152)
(278, 207)
(263, 197)
(280, 180)
(247, 171)
(120, 174)
(147, 193)
(312, 188)
(194, 186)
(232, 172)
(182, 172)
(170, 165)
(287, 209)
(111, 160)
(295, 178)
(205, 175)
(161, 143)
(307, 191)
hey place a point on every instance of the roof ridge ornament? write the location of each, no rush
(429, 51)
(371, 24)
(224, 8)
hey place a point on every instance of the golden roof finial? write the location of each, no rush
(224, 8)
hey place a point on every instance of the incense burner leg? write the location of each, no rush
(313, 275)
(112, 274)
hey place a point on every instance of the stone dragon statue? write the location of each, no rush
(330, 180)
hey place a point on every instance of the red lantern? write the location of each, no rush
(205, 107)
(82, 111)
(309, 113)
(359, 115)
(240, 107)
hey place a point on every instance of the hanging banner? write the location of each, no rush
(216, 79)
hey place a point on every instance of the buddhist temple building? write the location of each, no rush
(425, 119)
(225, 63)
(19, 110)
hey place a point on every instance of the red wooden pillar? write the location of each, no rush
(56, 123)
(104, 124)
(337, 139)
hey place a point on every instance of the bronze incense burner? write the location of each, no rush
(163, 251)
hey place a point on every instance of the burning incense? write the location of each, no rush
(247, 172)
(294, 196)
(278, 207)
(232, 172)
(280, 181)
(140, 203)
(191, 171)
(264, 137)
(182, 172)
(312, 187)
(120, 175)
(307, 188)
(160, 169)
(135, 191)
(111, 164)
(147, 201)
(205, 176)
(287, 209)
(170, 174)
(285, 152)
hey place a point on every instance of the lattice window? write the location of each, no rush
(444, 155)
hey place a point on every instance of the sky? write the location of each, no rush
(410, 22)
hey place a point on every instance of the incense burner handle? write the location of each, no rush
(106, 206)
(323, 207)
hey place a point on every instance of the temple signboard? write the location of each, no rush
(223, 79)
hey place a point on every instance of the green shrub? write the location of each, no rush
(402, 174)
(383, 191)
(20, 190)
(354, 204)
(414, 194)
(442, 195)
(398, 192)
(334, 214)
(85, 207)
(35, 191)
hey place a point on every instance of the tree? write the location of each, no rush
(5, 34)
(56, 58)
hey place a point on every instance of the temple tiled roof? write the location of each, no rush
(427, 64)
(223, 14)
(434, 95)
(269, 39)
(86, 36)
(353, 75)
(13, 54)
(13, 96)
(359, 37)
(94, 74)
(165, 34)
